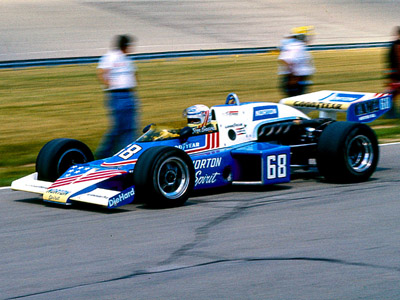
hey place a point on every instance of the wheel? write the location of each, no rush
(164, 176)
(58, 155)
(347, 152)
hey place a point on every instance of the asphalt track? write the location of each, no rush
(73, 28)
(303, 240)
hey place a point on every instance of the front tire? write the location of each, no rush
(164, 176)
(347, 152)
(58, 155)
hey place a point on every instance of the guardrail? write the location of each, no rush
(177, 54)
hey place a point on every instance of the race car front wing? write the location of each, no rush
(93, 195)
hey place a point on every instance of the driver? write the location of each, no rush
(198, 118)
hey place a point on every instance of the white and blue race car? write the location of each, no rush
(255, 143)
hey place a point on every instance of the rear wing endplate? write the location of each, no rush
(359, 107)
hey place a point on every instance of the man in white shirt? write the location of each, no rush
(117, 72)
(296, 64)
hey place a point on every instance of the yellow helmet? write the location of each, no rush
(306, 30)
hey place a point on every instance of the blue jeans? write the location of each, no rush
(122, 106)
(294, 85)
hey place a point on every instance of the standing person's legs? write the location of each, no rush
(136, 116)
(289, 85)
(304, 82)
(394, 110)
(106, 147)
(125, 119)
(284, 81)
(394, 89)
(294, 86)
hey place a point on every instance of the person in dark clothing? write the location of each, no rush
(394, 72)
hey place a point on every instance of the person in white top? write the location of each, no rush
(117, 72)
(295, 63)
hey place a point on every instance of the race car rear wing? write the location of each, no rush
(359, 107)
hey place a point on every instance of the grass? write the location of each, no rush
(39, 104)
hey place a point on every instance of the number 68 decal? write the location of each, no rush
(276, 166)
(129, 152)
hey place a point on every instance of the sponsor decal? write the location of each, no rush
(232, 113)
(367, 107)
(239, 128)
(205, 178)
(211, 141)
(265, 112)
(207, 163)
(188, 146)
(58, 192)
(37, 186)
(204, 129)
(56, 195)
(366, 117)
(122, 197)
(96, 196)
(385, 103)
(366, 111)
(341, 97)
(317, 105)
(234, 125)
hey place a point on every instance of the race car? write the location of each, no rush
(253, 143)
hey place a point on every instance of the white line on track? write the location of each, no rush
(390, 144)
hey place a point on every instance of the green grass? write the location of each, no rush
(39, 104)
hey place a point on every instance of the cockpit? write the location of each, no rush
(154, 133)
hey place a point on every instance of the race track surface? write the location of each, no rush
(73, 28)
(303, 240)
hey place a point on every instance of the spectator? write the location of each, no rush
(296, 64)
(117, 73)
(394, 72)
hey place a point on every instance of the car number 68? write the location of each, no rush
(276, 166)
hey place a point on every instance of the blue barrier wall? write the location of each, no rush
(177, 54)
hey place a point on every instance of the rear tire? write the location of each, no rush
(347, 152)
(164, 176)
(58, 155)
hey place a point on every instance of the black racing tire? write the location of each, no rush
(347, 152)
(164, 177)
(58, 155)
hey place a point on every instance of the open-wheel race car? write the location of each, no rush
(254, 143)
